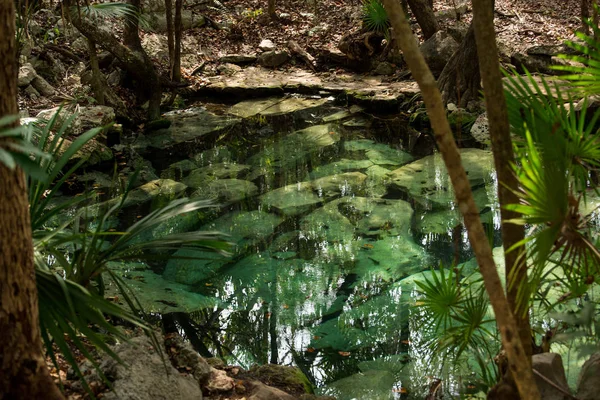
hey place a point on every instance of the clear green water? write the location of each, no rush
(331, 222)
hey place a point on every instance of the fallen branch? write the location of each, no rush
(302, 54)
(63, 52)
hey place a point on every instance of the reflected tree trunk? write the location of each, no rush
(518, 361)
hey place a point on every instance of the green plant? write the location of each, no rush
(375, 17)
(457, 321)
(70, 287)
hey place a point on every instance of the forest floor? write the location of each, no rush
(520, 24)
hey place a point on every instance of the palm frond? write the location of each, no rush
(375, 17)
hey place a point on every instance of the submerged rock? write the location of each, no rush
(226, 191)
(177, 171)
(340, 166)
(188, 126)
(343, 184)
(292, 199)
(275, 106)
(201, 176)
(378, 153)
(294, 149)
(427, 181)
(159, 192)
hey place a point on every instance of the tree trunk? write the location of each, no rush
(170, 34)
(271, 10)
(518, 363)
(23, 371)
(423, 12)
(132, 57)
(459, 81)
(177, 51)
(489, 64)
(97, 86)
(585, 15)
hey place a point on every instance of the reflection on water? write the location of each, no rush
(330, 226)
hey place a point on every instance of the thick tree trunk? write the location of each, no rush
(132, 56)
(177, 51)
(489, 64)
(459, 81)
(23, 371)
(423, 12)
(518, 362)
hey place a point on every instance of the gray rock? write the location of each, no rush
(385, 68)
(95, 116)
(185, 357)
(266, 45)
(229, 69)
(42, 86)
(481, 129)
(550, 366)
(26, 75)
(588, 385)
(378, 153)
(158, 20)
(238, 59)
(260, 391)
(226, 191)
(437, 50)
(86, 117)
(143, 375)
(31, 92)
(273, 59)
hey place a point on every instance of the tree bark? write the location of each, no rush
(423, 12)
(177, 51)
(517, 359)
(459, 81)
(97, 86)
(132, 57)
(489, 65)
(271, 10)
(585, 15)
(170, 34)
(23, 371)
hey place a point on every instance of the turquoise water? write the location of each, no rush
(333, 217)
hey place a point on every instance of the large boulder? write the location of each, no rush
(273, 59)
(144, 375)
(85, 117)
(437, 50)
(158, 20)
(551, 367)
(588, 386)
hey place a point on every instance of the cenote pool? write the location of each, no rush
(334, 213)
